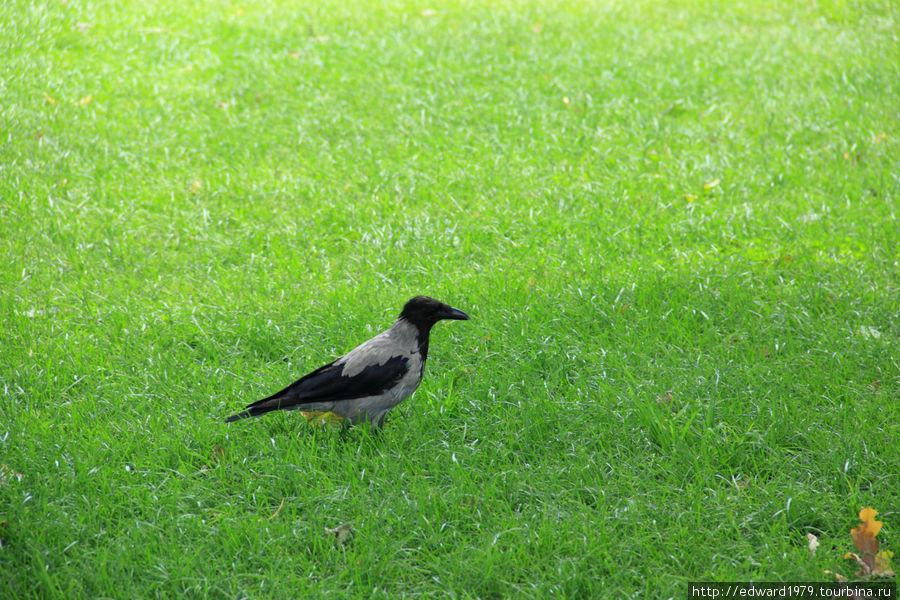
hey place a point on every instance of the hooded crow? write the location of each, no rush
(371, 379)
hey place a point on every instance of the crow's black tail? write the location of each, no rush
(239, 416)
(254, 410)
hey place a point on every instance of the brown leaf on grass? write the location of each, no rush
(864, 537)
(872, 563)
(342, 533)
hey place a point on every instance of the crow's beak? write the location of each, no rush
(456, 314)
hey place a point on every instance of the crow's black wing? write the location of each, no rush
(329, 384)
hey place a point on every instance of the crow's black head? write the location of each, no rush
(425, 312)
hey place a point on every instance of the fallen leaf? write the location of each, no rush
(883, 567)
(837, 576)
(86, 100)
(321, 419)
(195, 186)
(812, 543)
(864, 539)
(879, 138)
(714, 183)
(341, 533)
(48, 99)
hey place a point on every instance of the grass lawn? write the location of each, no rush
(674, 224)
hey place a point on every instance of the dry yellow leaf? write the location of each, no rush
(321, 419)
(869, 526)
(883, 566)
(48, 99)
(86, 100)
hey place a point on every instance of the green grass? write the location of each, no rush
(674, 225)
